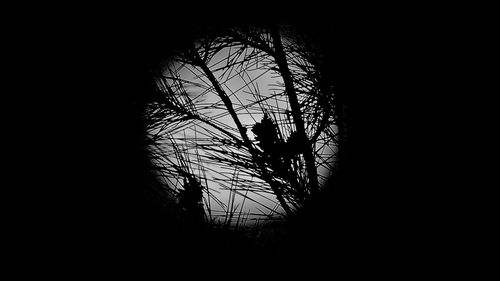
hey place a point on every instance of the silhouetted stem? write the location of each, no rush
(280, 57)
(227, 102)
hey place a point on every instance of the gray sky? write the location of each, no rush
(210, 105)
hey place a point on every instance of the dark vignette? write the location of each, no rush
(390, 207)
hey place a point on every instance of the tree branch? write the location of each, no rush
(275, 186)
(280, 57)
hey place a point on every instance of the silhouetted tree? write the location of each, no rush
(290, 138)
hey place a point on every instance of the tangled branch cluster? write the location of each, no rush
(211, 123)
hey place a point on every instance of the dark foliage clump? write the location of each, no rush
(190, 200)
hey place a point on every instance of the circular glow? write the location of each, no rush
(203, 126)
